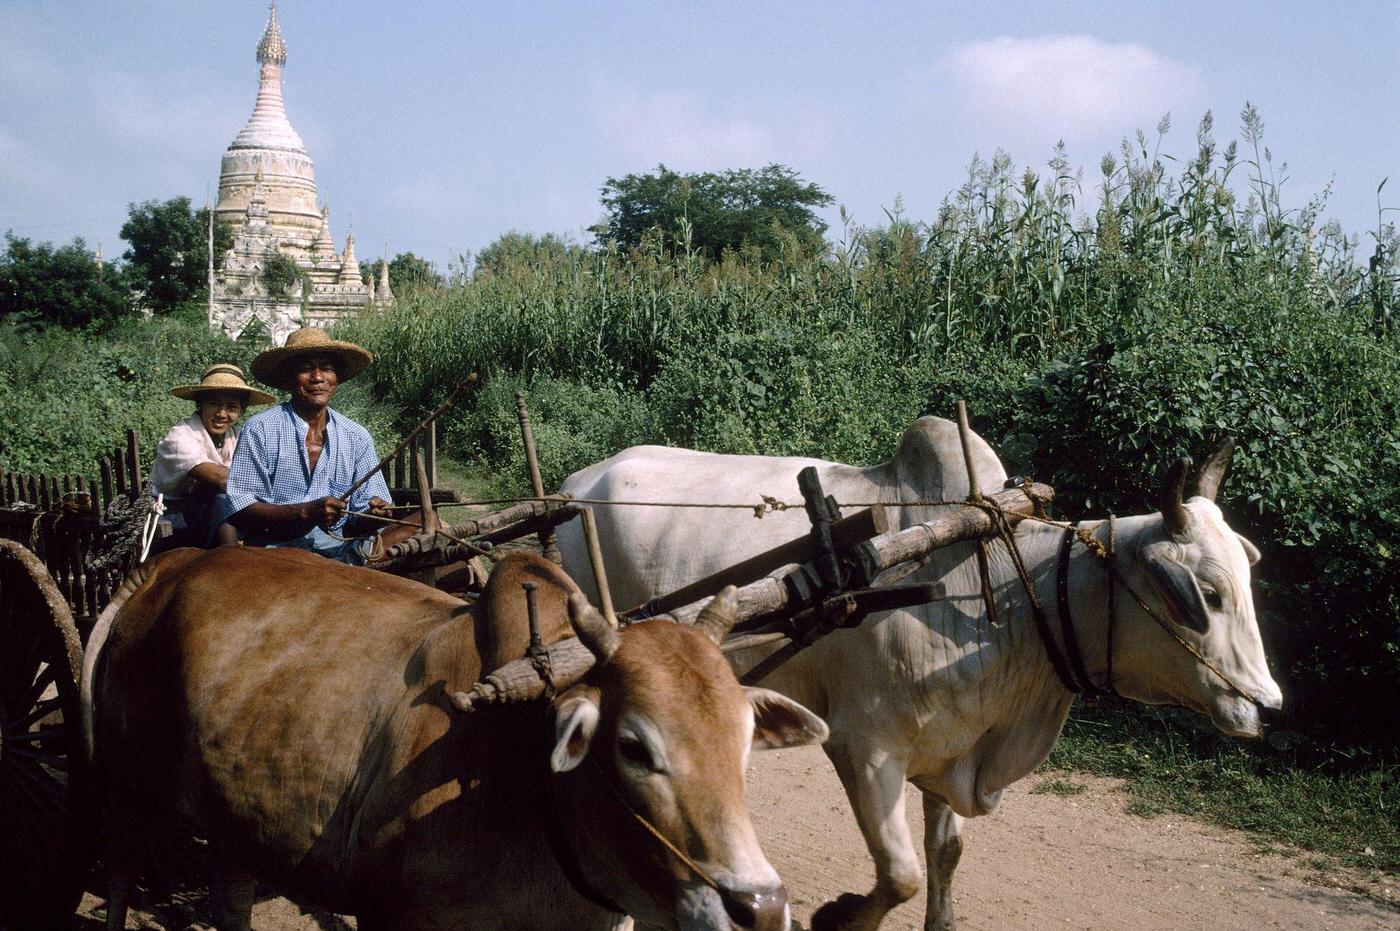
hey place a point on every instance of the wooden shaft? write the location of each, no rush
(532, 462)
(956, 524)
(845, 533)
(425, 492)
(595, 560)
(430, 452)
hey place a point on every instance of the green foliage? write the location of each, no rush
(280, 275)
(407, 273)
(514, 250)
(1092, 350)
(67, 396)
(770, 208)
(574, 426)
(169, 252)
(62, 286)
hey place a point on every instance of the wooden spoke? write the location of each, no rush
(37, 713)
(42, 681)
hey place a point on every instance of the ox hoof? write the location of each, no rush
(844, 914)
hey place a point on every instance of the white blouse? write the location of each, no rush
(187, 445)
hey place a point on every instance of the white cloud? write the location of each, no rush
(688, 133)
(1071, 86)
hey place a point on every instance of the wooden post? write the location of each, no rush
(532, 463)
(399, 481)
(32, 495)
(119, 471)
(4, 477)
(44, 500)
(133, 463)
(104, 466)
(425, 491)
(595, 560)
(430, 452)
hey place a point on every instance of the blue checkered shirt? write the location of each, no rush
(270, 463)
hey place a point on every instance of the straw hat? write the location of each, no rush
(223, 376)
(272, 366)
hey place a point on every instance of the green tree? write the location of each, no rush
(168, 256)
(515, 247)
(279, 275)
(407, 273)
(715, 211)
(60, 285)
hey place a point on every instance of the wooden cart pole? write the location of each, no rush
(532, 460)
(974, 493)
(600, 573)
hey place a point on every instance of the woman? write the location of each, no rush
(191, 465)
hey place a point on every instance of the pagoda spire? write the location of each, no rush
(268, 127)
(272, 48)
(385, 295)
(349, 265)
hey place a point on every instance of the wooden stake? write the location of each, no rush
(595, 559)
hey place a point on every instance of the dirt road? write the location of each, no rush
(1043, 861)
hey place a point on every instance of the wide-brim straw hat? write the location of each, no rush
(273, 367)
(223, 377)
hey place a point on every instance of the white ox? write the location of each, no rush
(935, 695)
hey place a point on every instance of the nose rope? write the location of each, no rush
(655, 832)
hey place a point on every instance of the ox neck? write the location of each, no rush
(1088, 588)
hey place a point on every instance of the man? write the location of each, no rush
(296, 462)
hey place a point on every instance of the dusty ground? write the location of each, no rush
(1043, 861)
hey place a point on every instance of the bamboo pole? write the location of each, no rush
(600, 573)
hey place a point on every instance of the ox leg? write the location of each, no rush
(942, 849)
(874, 782)
(131, 840)
(231, 893)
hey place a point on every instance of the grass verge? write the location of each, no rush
(1315, 798)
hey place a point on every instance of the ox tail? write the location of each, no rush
(139, 576)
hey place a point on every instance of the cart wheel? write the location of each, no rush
(45, 824)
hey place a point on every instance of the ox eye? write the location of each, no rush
(635, 752)
(1212, 597)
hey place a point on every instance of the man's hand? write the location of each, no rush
(325, 511)
(380, 508)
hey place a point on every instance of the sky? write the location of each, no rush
(437, 126)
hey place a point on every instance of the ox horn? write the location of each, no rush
(592, 628)
(1214, 471)
(1174, 514)
(719, 615)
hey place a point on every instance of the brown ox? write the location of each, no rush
(297, 711)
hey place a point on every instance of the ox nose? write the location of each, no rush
(765, 910)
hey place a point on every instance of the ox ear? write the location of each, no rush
(575, 722)
(780, 722)
(1251, 552)
(1178, 587)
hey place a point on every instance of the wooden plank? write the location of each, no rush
(133, 463)
(845, 533)
(45, 500)
(104, 466)
(119, 471)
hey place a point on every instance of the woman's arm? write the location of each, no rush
(210, 476)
